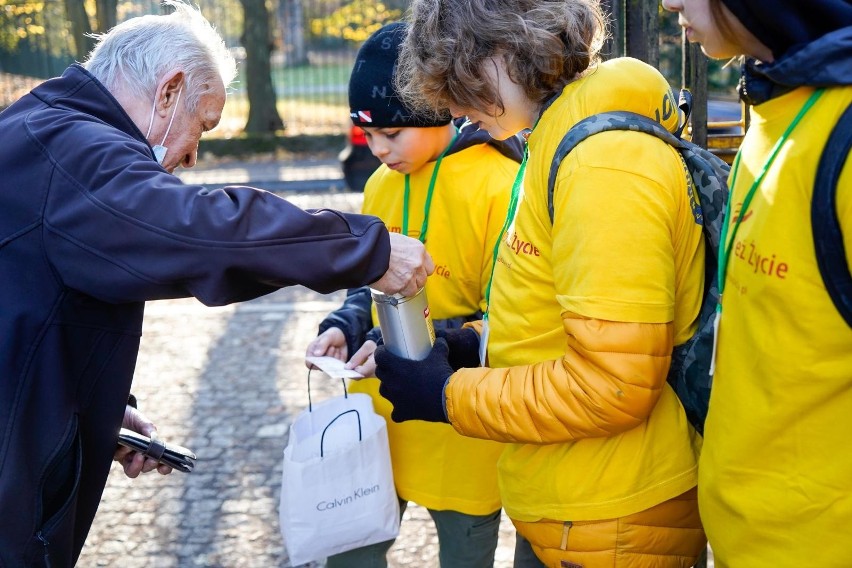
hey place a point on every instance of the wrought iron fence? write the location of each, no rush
(314, 46)
(315, 42)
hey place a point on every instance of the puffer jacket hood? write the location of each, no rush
(823, 62)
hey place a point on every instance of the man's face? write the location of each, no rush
(185, 133)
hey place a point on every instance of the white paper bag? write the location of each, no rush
(337, 491)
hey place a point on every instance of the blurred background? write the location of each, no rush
(295, 58)
(227, 381)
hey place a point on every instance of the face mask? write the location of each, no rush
(160, 150)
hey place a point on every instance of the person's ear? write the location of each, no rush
(167, 91)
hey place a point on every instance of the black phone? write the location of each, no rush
(176, 457)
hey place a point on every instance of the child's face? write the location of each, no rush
(407, 149)
(519, 111)
(700, 26)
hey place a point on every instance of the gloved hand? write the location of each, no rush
(464, 347)
(415, 388)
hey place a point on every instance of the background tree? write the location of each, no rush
(257, 41)
(355, 21)
(78, 14)
(18, 20)
(291, 16)
(107, 14)
(81, 28)
(34, 37)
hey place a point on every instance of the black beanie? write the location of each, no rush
(373, 100)
(782, 25)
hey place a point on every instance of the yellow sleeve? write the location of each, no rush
(613, 235)
(607, 382)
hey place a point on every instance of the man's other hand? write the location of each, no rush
(133, 462)
(408, 268)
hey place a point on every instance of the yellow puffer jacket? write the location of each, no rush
(646, 539)
(608, 381)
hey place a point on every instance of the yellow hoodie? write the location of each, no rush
(584, 314)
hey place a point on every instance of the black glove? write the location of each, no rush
(464, 347)
(415, 388)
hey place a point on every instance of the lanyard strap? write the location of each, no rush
(725, 250)
(510, 216)
(425, 226)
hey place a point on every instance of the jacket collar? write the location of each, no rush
(825, 62)
(79, 90)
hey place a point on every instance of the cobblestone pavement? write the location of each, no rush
(227, 382)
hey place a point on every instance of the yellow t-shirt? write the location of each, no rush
(433, 465)
(776, 468)
(624, 246)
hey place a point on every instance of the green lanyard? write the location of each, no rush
(726, 244)
(510, 216)
(725, 251)
(425, 226)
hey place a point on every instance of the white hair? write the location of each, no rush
(135, 54)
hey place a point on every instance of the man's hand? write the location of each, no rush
(133, 462)
(408, 268)
(415, 388)
(330, 343)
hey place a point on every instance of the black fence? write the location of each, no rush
(314, 44)
(313, 48)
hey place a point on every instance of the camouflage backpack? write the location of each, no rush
(689, 374)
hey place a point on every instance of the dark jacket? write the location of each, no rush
(822, 62)
(90, 228)
(354, 318)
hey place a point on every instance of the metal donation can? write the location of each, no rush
(406, 324)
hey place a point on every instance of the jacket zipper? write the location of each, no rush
(46, 544)
(566, 528)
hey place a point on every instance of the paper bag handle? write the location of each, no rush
(345, 394)
(327, 426)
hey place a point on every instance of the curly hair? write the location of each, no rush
(545, 44)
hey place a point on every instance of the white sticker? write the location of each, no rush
(334, 368)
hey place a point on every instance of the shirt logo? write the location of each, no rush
(738, 218)
(520, 246)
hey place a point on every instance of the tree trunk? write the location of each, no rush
(614, 45)
(694, 78)
(257, 41)
(80, 26)
(290, 15)
(107, 14)
(642, 31)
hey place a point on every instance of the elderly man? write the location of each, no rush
(93, 224)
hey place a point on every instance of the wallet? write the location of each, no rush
(176, 457)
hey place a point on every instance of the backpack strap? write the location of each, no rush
(615, 120)
(828, 237)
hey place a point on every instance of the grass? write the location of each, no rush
(312, 99)
(300, 117)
